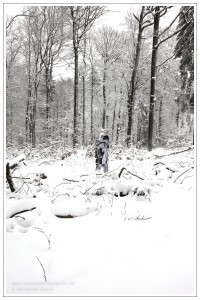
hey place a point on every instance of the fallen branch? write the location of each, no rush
(90, 188)
(53, 200)
(168, 168)
(177, 152)
(183, 173)
(45, 278)
(47, 237)
(21, 212)
(120, 173)
(71, 180)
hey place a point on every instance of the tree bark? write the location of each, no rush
(83, 78)
(91, 105)
(9, 178)
(131, 96)
(153, 77)
(75, 96)
(104, 97)
(160, 121)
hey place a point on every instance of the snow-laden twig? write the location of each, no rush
(167, 167)
(91, 187)
(47, 237)
(186, 178)
(176, 152)
(65, 194)
(182, 174)
(44, 275)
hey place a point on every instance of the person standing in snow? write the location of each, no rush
(101, 152)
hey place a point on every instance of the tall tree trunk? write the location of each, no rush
(153, 77)
(118, 126)
(131, 96)
(47, 93)
(36, 84)
(91, 105)
(83, 78)
(104, 97)
(29, 94)
(160, 121)
(75, 96)
(113, 123)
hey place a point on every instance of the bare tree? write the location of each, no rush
(109, 45)
(143, 22)
(13, 47)
(158, 39)
(81, 19)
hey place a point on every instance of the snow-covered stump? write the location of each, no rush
(9, 178)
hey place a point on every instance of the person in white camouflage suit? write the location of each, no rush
(101, 152)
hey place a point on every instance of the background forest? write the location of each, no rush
(137, 82)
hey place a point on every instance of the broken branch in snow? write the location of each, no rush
(177, 152)
(183, 173)
(71, 180)
(90, 188)
(168, 168)
(22, 211)
(47, 237)
(120, 173)
(45, 278)
(53, 200)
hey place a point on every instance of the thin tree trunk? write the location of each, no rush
(91, 106)
(83, 78)
(160, 121)
(104, 97)
(153, 77)
(75, 96)
(29, 94)
(113, 123)
(131, 96)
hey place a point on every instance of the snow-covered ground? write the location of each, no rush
(80, 238)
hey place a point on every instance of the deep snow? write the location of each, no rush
(137, 245)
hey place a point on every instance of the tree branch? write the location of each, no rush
(176, 32)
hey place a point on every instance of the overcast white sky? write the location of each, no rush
(115, 18)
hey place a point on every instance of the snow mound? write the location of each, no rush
(72, 208)
(17, 225)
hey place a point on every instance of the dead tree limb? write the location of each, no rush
(23, 211)
(9, 178)
(183, 173)
(120, 173)
(71, 180)
(177, 152)
(168, 168)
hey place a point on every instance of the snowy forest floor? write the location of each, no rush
(80, 233)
